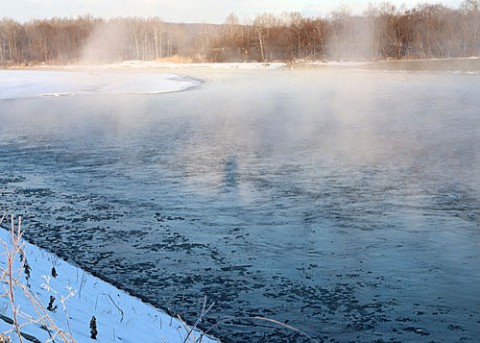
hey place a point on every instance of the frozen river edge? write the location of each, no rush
(24, 84)
(78, 296)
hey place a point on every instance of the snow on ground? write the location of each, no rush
(157, 65)
(173, 65)
(119, 316)
(16, 84)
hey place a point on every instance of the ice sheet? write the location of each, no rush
(16, 84)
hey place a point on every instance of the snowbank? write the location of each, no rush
(119, 316)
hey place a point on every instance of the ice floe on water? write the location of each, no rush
(15, 84)
(71, 298)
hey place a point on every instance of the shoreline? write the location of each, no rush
(78, 296)
(466, 65)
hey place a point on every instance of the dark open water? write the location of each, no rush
(345, 203)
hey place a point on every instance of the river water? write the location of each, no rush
(345, 203)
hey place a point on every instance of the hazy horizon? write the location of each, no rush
(188, 11)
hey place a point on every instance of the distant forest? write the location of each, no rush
(382, 32)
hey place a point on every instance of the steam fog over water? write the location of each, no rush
(344, 202)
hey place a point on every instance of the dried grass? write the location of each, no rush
(175, 59)
(11, 278)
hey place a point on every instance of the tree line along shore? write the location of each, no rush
(382, 32)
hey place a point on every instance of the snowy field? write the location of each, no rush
(78, 297)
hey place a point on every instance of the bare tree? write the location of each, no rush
(384, 32)
(262, 24)
(472, 11)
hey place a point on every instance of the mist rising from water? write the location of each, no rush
(106, 43)
(277, 183)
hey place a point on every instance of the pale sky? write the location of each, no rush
(198, 11)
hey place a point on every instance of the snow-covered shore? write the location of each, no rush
(449, 65)
(171, 65)
(155, 65)
(119, 316)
